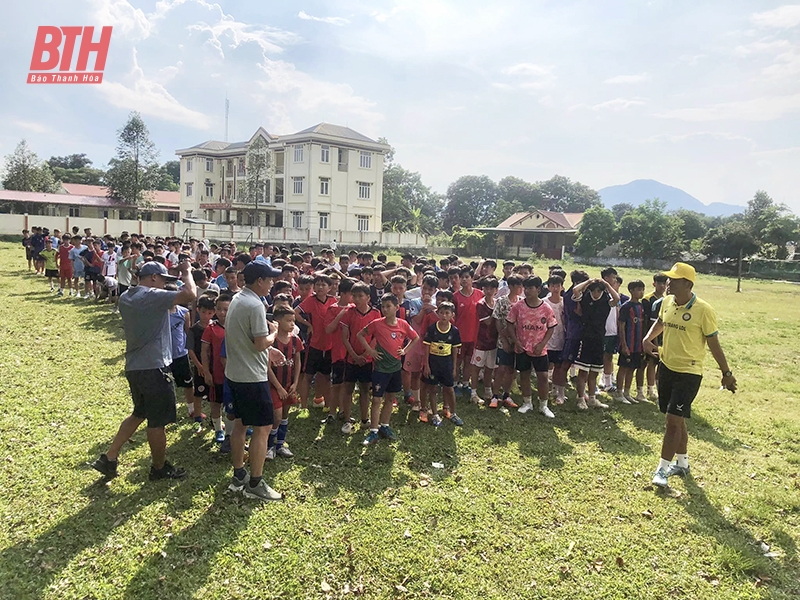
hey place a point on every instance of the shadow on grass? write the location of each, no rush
(699, 427)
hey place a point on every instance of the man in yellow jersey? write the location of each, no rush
(688, 324)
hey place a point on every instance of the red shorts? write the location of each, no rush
(65, 272)
(276, 399)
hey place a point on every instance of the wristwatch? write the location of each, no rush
(727, 373)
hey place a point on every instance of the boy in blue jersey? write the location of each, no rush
(632, 326)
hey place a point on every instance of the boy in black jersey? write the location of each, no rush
(442, 342)
(194, 343)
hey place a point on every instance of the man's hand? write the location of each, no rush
(729, 383)
(185, 267)
(276, 357)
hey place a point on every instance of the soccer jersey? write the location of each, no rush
(338, 350)
(64, 255)
(316, 310)
(556, 341)
(49, 257)
(501, 309)
(389, 339)
(487, 329)
(631, 314)
(177, 325)
(110, 262)
(194, 339)
(285, 372)
(355, 322)
(573, 324)
(215, 335)
(442, 346)
(686, 329)
(531, 323)
(594, 314)
(466, 315)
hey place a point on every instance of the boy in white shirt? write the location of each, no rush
(555, 344)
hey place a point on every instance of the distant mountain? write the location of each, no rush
(640, 190)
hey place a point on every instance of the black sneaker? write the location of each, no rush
(106, 467)
(167, 472)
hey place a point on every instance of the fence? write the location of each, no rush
(12, 224)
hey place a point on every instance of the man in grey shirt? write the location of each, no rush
(248, 342)
(148, 355)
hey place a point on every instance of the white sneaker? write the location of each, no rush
(582, 404)
(271, 453)
(525, 407)
(347, 428)
(653, 394)
(545, 410)
(640, 397)
(475, 399)
(631, 399)
(595, 403)
(622, 398)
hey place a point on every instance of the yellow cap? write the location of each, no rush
(682, 271)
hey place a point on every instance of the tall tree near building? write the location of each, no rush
(649, 232)
(259, 174)
(23, 171)
(469, 199)
(730, 240)
(514, 195)
(771, 225)
(564, 195)
(134, 174)
(173, 168)
(75, 168)
(598, 229)
(620, 210)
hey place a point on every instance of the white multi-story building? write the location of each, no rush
(326, 177)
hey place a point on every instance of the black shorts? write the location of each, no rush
(153, 394)
(386, 383)
(90, 274)
(51, 272)
(28, 253)
(554, 357)
(441, 373)
(36, 256)
(610, 344)
(318, 361)
(122, 288)
(504, 359)
(200, 388)
(633, 361)
(569, 354)
(252, 402)
(524, 362)
(677, 391)
(182, 371)
(218, 392)
(337, 372)
(355, 373)
(590, 355)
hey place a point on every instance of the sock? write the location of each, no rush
(560, 392)
(228, 424)
(217, 423)
(273, 438)
(240, 473)
(416, 394)
(526, 400)
(283, 429)
(371, 430)
(627, 392)
(640, 390)
(190, 408)
(407, 394)
(683, 460)
(385, 425)
(542, 403)
(663, 464)
(651, 389)
(254, 481)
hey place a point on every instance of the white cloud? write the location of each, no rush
(628, 78)
(528, 70)
(761, 46)
(150, 98)
(618, 104)
(783, 17)
(716, 135)
(330, 20)
(766, 108)
(691, 59)
(230, 33)
(32, 126)
(778, 152)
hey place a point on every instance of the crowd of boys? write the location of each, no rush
(410, 329)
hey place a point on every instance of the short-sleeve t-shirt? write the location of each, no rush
(177, 325)
(466, 315)
(556, 341)
(49, 257)
(442, 345)
(75, 257)
(389, 339)
(501, 309)
(573, 324)
(64, 255)
(145, 319)
(531, 324)
(316, 310)
(194, 340)
(246, 320)
(594, 315)
(487, 330)
(686, 329)
(285, 372)
(110, 262)
(214, 335)
(355, 321)
(632, 316)
(338, 350)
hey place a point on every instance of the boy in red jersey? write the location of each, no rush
(333, 320)
(283, 381)
(311, 313)
(466, 300)
(213, 367)
(414, 363)
(358, 368)
(390, 335)
(485, 354)
(65, 265)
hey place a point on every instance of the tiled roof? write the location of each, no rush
(162, 198)
(336, 131)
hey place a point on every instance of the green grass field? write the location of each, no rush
(523, 508)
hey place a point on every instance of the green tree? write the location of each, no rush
(75, 168)
(621, 209)
(693, 225)
(468, 201)
(728, 239)
(134, 173)
(597, 230)
(173, 167)
(513, 195)
(771, 225)
(259, 171)
(649, 232)
(563, 195)
(471, 242)
(23, 171)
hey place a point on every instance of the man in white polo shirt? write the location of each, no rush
(688, 324)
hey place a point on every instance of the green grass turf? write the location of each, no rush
(523, 508)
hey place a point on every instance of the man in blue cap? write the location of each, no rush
(689, 324)
(148, 354)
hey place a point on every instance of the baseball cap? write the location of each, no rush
(682, 271)
(155, 268)
(259, 270)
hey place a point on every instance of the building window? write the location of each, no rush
(74, 211)
(241, 167)
(174, 217)
(298, 154)
(297, 185)
(363, 190)
(365, 161)
(363, 222)
(209, 190)
(105, 214)
(189, 189)
(209, 164)
(230, 167)
(297, 219)
(228, 190)
(323, 220)
(325, 154)
(188, 164)
(147, 216)
(324, 186)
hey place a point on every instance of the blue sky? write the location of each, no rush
(704, 96)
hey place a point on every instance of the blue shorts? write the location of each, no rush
(386, 383)
(554, 357)
(610, 344)
(504, 359)
(570, 352)
(355, 373)
(441, 373)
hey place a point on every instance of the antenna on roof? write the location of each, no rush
(227, 110)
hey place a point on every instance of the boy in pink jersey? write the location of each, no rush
(532, 323)
(333, 328)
